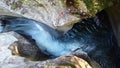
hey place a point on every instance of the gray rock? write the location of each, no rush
(41, 10)
(13, 43)
(114, 17)
(5, 41)
(19, 46)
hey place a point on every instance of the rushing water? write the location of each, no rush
(93, 36)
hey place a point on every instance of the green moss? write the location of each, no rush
(22, 1)
(88, 3)
(63, 1)
(17, 4)
(39, 4)
(14, 6)
(95, 6)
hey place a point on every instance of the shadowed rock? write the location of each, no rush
(20, 46)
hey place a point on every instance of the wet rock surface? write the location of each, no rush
(61, 62)
(47, 12)
(41, 10)
(24, 48)
(14, 43)
(13, 46)
(58, 14)
(114, 17)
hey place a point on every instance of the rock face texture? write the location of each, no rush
(51, 12)
(13, 43)
(4, 44)
(114, 17)
(59, 14)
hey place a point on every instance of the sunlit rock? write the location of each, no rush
(59, 14)
(53, 13)
(69, 61)
(61, 62)
(5, 41)
(13, 46)
(18, 46)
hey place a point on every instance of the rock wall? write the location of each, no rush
(114, 17)
(8, 60)
(59, 14)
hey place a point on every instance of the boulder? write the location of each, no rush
(20, 46)
(59, 14)
(17, 52)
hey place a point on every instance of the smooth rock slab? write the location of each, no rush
(5, 41)
(13, 43)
